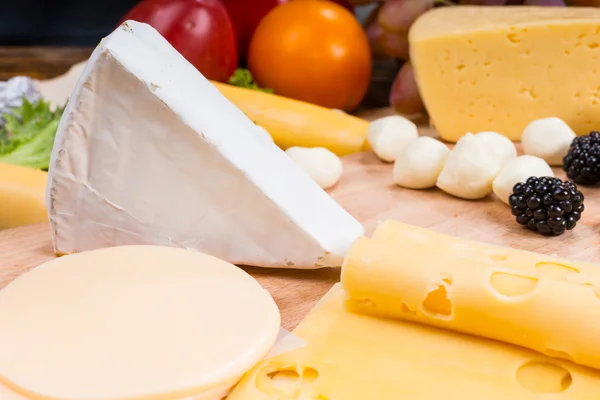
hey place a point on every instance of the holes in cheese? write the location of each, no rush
(558, 354)
(309, 374)
(364, 358)
(133, 322)
(523, 55)
(284, 379)
(555, 270)
(294, 382)
(437, 302)
(522, 298)
(446, 278)
(498, 257)
(544, 377)
(406, 309)
(366, 303)
(512, 285)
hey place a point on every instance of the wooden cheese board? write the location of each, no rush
(368, 193)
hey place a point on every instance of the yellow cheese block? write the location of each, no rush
(543, 303)
(499, 68)
(22, 196)
(356, 357)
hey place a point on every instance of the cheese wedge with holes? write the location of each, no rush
(543, 303)
(481, 68)
(149, 152)
(132, 322)
(350, 356)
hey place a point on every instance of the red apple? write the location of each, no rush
(201, 30)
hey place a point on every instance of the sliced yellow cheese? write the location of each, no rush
(133, 322)
(499, 68)
(356, 357)
(22, 196)
(543, 303)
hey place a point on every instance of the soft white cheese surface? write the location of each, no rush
(149, 152)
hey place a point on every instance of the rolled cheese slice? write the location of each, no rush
(543, 303)
(132, 322)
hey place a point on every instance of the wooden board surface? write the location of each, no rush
(367, 192)
(39, 62)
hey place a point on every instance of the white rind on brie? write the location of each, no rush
(148, 151)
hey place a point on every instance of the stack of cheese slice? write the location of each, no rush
(422, 315)
(149, 152)
(132, 322)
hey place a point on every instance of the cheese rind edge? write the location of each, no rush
(190, 170)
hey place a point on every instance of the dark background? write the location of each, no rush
(59, 22)
(68, 22)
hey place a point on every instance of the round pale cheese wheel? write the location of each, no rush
(133, 322)
(7, 394)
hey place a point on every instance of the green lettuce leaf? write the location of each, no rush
(243, 78)
(28, 134)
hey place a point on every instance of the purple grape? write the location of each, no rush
(396, 16)
(483, 2)
(584, 3)
(384, 44)
(405, 97)
(548, 3)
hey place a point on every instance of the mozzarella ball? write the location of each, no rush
(322, 165)
(420, 164)
(502, 146)
(518, 170)
(388, 136)
(470, 169)
(548, 138)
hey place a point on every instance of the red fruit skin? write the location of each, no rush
(200, 30)
(247, 14)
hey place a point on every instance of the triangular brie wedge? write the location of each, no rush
(149, 152)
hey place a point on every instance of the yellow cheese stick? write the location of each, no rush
(355, 357)
(543, 303)
(22, 196)
(296, 123)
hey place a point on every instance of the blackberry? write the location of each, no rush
(582, 162)
(546, 205)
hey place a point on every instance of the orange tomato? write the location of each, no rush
(312, 50)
